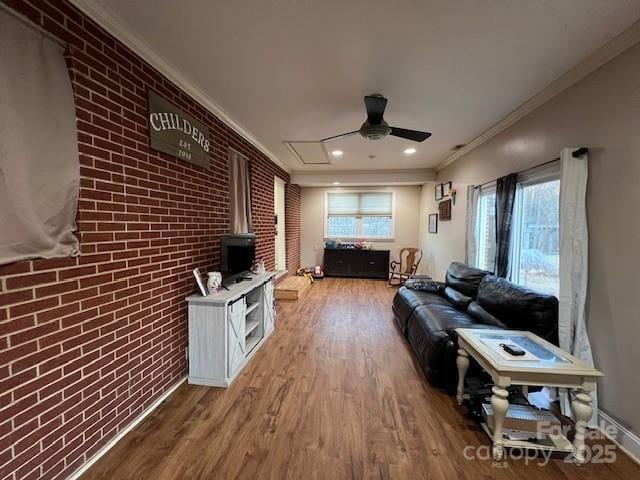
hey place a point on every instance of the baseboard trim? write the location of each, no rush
(122, 433)
(626, 440)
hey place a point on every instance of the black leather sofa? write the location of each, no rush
(469, 298)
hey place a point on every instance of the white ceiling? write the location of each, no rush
(297, 70)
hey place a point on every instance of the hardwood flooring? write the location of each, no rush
(333, 394)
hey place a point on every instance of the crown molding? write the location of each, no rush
(119, 30)
(327, 178)
(604, 54)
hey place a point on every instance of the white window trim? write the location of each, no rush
(369, 239)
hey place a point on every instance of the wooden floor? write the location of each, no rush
(333, 394)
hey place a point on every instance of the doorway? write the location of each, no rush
(279, 213)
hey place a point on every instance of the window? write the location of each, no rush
(535, 238)
(535, 241)
(486, 231)
(359, 215)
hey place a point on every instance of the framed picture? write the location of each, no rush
(433, 223)
(444, 209)
(446, 189)
(439, 192)
(198, 277)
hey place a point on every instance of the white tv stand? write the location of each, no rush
(227, 328)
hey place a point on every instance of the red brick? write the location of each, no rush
(14, 268)
(33, 307)
(15, 297)
(77, 272)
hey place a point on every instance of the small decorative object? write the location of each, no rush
(444, 209)
(439, 192)
(446, 189)
(214, 282)
(433, 223)
(259, 268)
(198, 277)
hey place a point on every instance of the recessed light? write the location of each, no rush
(336, 183)
(409, 151)
(337, 153)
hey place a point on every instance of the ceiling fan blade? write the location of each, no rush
(338, 136)
(375, 109)
(414, 135)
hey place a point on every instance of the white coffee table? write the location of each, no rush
(544, 365)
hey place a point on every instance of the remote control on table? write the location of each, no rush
(512, 349)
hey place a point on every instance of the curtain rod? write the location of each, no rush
(30, 23)
(575, 154)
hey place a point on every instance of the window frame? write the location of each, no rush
(390, 238)
(480, 240)
(546, 173)
(515, 244)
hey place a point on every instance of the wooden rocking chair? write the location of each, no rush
(402, 270)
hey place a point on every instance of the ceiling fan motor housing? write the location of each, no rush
(375, 132)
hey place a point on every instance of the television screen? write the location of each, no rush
(238, 253)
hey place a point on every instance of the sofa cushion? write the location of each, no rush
(436, 318)
(457, 299)
(482, 316)
(406, 300)
(464, 279)
(519, 307)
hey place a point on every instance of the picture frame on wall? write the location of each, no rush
(446, 189)
(444, 210)
(438, 192)
(433, 223)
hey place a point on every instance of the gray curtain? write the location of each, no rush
(505, 199)
(240, 194)
(39, 165)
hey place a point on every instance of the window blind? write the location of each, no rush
(360, 204)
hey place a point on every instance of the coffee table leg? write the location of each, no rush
(462, 361)
(582, 411)
(499, 405)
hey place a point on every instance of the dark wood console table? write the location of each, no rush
(345, 262)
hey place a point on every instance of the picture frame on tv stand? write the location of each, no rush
(201, 288)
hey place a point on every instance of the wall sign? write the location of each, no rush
(174, 132)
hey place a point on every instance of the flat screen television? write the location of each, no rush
(237, 255)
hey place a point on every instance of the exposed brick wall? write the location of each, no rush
(292, 198)
(87, 344)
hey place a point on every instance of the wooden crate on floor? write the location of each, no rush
(291, 288)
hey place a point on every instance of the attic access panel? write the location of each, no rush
(309, 152)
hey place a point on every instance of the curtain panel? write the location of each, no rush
(574, 266)
(240, 192)
(39, 164)
(505, 199)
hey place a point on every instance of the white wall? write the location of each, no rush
(312, 221)
(448, 245)
(601, 112)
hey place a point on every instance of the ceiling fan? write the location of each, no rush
(375, 128)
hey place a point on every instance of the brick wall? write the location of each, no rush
(292, 198)
(87, 344)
